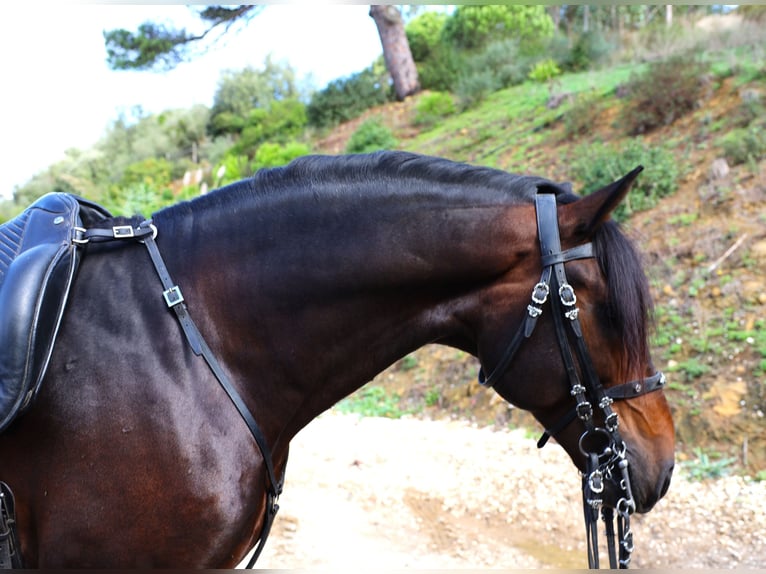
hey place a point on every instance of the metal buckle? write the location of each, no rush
(584, 411)
(173, 296)
(534, 312)
(567, 295)
(123, 231)
(540, 293)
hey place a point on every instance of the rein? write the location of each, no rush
(146, 233)
(603, 447)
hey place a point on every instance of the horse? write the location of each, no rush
(306, 281)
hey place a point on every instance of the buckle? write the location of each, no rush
(540, 293)
(123, 232)
(173, 296)
(567, 295)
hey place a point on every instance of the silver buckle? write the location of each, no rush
(123, 232)
(173, 296)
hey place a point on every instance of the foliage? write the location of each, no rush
(345, 98)
(424, 34)
(499, 66)
(371, 136)
(441, 71)
(744, 145)
(273, 154)
(708, 466)
(241, 91)
(150, 171)
(372, 401)
(682, 88)
(432, 107)
(472, 27)
(582, 116)
(282, 121)
(155, 46)
(232, 167)
(589, 49)
(544, 71)
(598, 165)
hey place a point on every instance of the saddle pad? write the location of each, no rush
(37, 262)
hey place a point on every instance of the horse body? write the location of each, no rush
(306, 282)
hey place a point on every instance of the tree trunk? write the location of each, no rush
(396, 49)
(668, 15)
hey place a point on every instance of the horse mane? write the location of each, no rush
(323, 177)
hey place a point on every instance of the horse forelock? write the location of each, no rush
(629, 307)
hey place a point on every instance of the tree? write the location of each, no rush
(155, 47)
(396, 49)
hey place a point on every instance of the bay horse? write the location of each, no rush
(306, 281)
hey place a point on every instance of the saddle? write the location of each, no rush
(39, 256)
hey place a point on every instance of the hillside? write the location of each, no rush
(704, 248)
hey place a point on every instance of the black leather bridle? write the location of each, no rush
(603, 448)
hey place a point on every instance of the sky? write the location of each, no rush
(56, 91)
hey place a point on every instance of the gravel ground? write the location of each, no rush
(408, 493)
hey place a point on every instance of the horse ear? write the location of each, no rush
(582, 218)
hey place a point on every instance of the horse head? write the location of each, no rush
(582, 347)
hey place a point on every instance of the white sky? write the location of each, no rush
(56, 91)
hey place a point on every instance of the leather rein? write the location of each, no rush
(146, 232)
(603, 448)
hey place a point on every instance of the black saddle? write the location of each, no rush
(39, 256)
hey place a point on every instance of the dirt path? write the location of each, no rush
(391, 494)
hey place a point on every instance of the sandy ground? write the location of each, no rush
(373, 493)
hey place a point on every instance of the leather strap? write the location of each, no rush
(146, 232)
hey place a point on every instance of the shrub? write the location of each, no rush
(371, 136)
(472, 27)
(744, 145)
(441, 70)
(282, 121)
(598, 165)
(666, 91)
(346, 98)
(274, 154)
(544, 70)
(583, 114)
(433, 107)
(424, 34)
(150, 171)
(474, 88)
(590, 49)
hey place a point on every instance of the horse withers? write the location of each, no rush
(305, 282)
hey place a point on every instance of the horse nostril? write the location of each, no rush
(666, 481)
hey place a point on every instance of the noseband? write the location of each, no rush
(603, 448)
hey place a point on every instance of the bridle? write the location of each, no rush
(603, 448)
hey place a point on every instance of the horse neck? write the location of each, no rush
(310, 300)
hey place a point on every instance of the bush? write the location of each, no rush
(544, 70)
(472, 27)
(599, 165)
(474, 88)
(346, 98)
(371, 136)
(744, 145)
(424, 34)
(441, 70)
(501, 65)
(583, 114)
(665, 92)
(274, 154)
(433, 107)
(590, 49)
(282, 121)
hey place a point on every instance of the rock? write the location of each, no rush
(719, 169)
